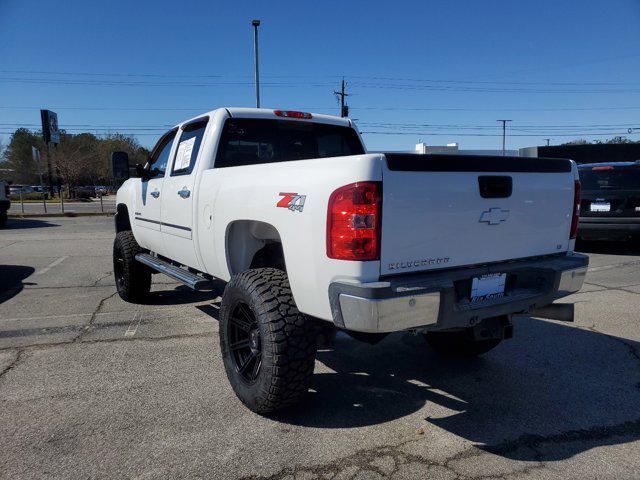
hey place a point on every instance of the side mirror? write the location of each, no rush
(141, 172)
(120, 165)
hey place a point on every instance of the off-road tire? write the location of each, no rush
(133, 279)
(287, 340)
(459, 343)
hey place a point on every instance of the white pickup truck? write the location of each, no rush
(309, 229)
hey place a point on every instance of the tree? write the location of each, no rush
(611, 141)
(79, 159)
(76, 159)
(18, 157)
(118, 142)
(617, 140)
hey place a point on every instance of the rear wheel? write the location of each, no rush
(133, 279)
(3, 219)
(460, 343)
(268, 346)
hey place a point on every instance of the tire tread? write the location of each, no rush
(291, 335)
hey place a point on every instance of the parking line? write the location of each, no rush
(133, 326)
(51, 265)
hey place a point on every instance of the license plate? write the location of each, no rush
(600, 207)
(487, 287)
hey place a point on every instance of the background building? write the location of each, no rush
(453, 149)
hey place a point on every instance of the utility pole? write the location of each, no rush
(547, 140)
(256, 24)
(504, 134)
(344, 109)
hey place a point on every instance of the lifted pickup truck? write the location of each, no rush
(308, 228)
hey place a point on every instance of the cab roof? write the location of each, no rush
(268, 113)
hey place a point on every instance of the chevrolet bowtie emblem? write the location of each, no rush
(494, 216)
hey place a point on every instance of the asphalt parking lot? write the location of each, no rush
(92, 387)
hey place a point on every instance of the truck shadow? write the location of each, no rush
(12, 280)
(548, 394)
(24, 223)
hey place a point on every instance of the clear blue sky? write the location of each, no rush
(453, 66)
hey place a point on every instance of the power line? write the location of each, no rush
(313, 84)
(420, 125)
(158, 131)
(327, 108)
(448, 89)
(493, 135)
(144, 83)
(364, 77)
(396, 126)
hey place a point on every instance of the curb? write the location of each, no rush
(59, 214)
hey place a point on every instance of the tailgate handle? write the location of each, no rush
(495, 186)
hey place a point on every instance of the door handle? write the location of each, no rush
(155, 193)
(184, 193)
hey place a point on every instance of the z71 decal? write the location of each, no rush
(292, 201)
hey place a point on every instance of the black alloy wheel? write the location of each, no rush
(245, 342)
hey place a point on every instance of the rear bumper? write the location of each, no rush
(440, 300)
(603, 227)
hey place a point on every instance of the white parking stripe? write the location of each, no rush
(51, 265)
(133, 326)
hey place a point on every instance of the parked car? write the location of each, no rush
(42, 190)
(5, 202)
(309, 230)
(610, 205)
(100, 190)
(15, 189)
(84, 192)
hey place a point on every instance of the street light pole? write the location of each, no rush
(256, 24)
(504, 135)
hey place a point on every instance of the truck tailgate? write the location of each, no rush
(443, 211)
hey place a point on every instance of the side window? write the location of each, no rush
(187, 151)
(160, 155)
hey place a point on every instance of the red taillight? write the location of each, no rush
(576, 210)
(354, 223)
(292, 114)
(602, 168)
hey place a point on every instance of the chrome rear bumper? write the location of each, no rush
(437, 301)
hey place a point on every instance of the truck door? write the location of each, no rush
(178, 195)
(148, 198)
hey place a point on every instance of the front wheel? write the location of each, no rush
(133, 279)
(268, 346)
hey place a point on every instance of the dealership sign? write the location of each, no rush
(50, 130)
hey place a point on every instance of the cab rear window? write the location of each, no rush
(610, 178)
(247, 141)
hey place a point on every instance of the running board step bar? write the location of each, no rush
(191, 280)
